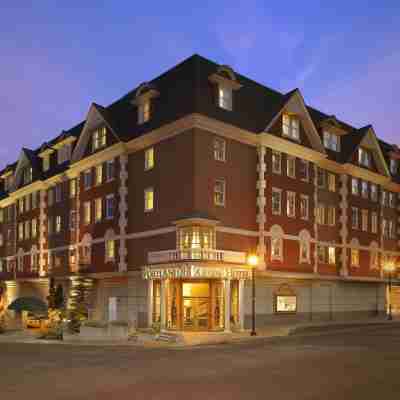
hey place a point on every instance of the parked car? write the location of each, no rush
(34, 320)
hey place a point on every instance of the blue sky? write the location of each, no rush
(57, 59)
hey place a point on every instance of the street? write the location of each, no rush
(354, 364)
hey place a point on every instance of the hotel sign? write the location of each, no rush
(195, 272)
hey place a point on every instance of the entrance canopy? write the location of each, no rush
(32, 304)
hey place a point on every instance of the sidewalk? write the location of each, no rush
(190, 339)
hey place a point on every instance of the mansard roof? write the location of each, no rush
(186, 89)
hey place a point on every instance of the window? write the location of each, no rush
(149, 199)
(219, 149)
(374, 192)
(291, 167)
(72, 220)
(364, 189)
(46, 162)
(86, 212)
(27, 202)
(374, 259)
(276, 248)
(109, 170)
(304, 170)
(21, 205)
(384, 198)
(144, 112)
(304, 251)
(58, 223)
(392, 200)
(27, 175)
(99, 174)
(331, 216)
(34, 200)
(331, 255)
(1, 239)
(49, 225)
(225, 98)
(34, 228)
(219, 192)
(1, 215)
(291, 204)
(331, 141)
(64, 153)
(320, 214)
(385, 229)
(276, 201)
(98, 209)
(354, 186)
(374, 222)
(110, 206)
(149, 159)
(276, 162)
(332, 182)
(364, 157)
(321, 254)
(99, 138)
(364, 220)
(392, 230)
(87, 179)
(286, 304)
(110, 250)
(21, 231)
(355, 257)
(57, 190)
(394, 166)
(321, 178)
(291, 126)
(354, 218)
(27, 230)
(304, 207)
(196, 237)
(72, 188)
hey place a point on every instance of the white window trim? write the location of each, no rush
(289, 161)
(279, 154)
(217, 150)
(290, 194)
(279, 191)
(223, 203)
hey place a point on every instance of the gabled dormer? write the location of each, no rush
(98, 133)
(27, 169)
(45, 153)
(63, 147)
(225, 83)
(332, 132)
(394, 161)
(7, 178)
(144, 99)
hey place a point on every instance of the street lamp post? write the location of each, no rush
(390, 267)
(253, 262)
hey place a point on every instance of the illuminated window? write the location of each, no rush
(276, 162)
(27, 230)
(109, 206)
(99, 138)
(34, 227)
(331, 141)
(72, 188)
(86, 212)
(331, 216)
(364, 157)
(291, 204)
(291, 167)
(87, 179)
(355, 257)
(364, 220)
(321, 254)
(149, 158)
(225, 98)
(332, 182)
(196, 237)
(304, 170)
(276, 201)
(304, 207)
(374, 259)
(364, 189)
(276, 248)
(394, 166)
(109, 170)
(320, 214)
(99, 174)
(374, 222)
(144, 112)
(149, 199)
(20, 231)
(291, 126)
(332, 255)
(304, 251)
(286, 304)
(72, 220)
(354, 186)
(58, 223)
(219, 149)
(110, 250)
(219, 192)
(354, 218)
(98, 209)
(27, 175)
(57, 191)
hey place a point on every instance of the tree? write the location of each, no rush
(52, 295)
(59, 300)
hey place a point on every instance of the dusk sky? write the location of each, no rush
(57, 59)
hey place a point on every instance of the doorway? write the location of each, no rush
(196, 305)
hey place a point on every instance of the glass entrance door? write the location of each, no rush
(196, 305)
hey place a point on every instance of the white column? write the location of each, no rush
(227, 304)
(241, 304)
(261, 202)
(163, 303)
(149, 303)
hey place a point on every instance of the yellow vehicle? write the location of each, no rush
(34, 321)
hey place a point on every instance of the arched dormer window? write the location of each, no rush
(145, 93)
(226, 83)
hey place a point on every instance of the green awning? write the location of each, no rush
(32, 304)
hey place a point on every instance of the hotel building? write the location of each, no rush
(154, 202)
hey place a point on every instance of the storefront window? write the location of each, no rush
(173, 304)
(196, 237)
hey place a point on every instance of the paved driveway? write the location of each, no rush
(357, 364)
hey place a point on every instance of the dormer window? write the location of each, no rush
(46, 162)
(394, 166)
(225, 97)
(331, 141)
(144, 112)
(291, 126)
(364, 157)
(8, 182)
(99, 138)
(27, 175)
(63, 154)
